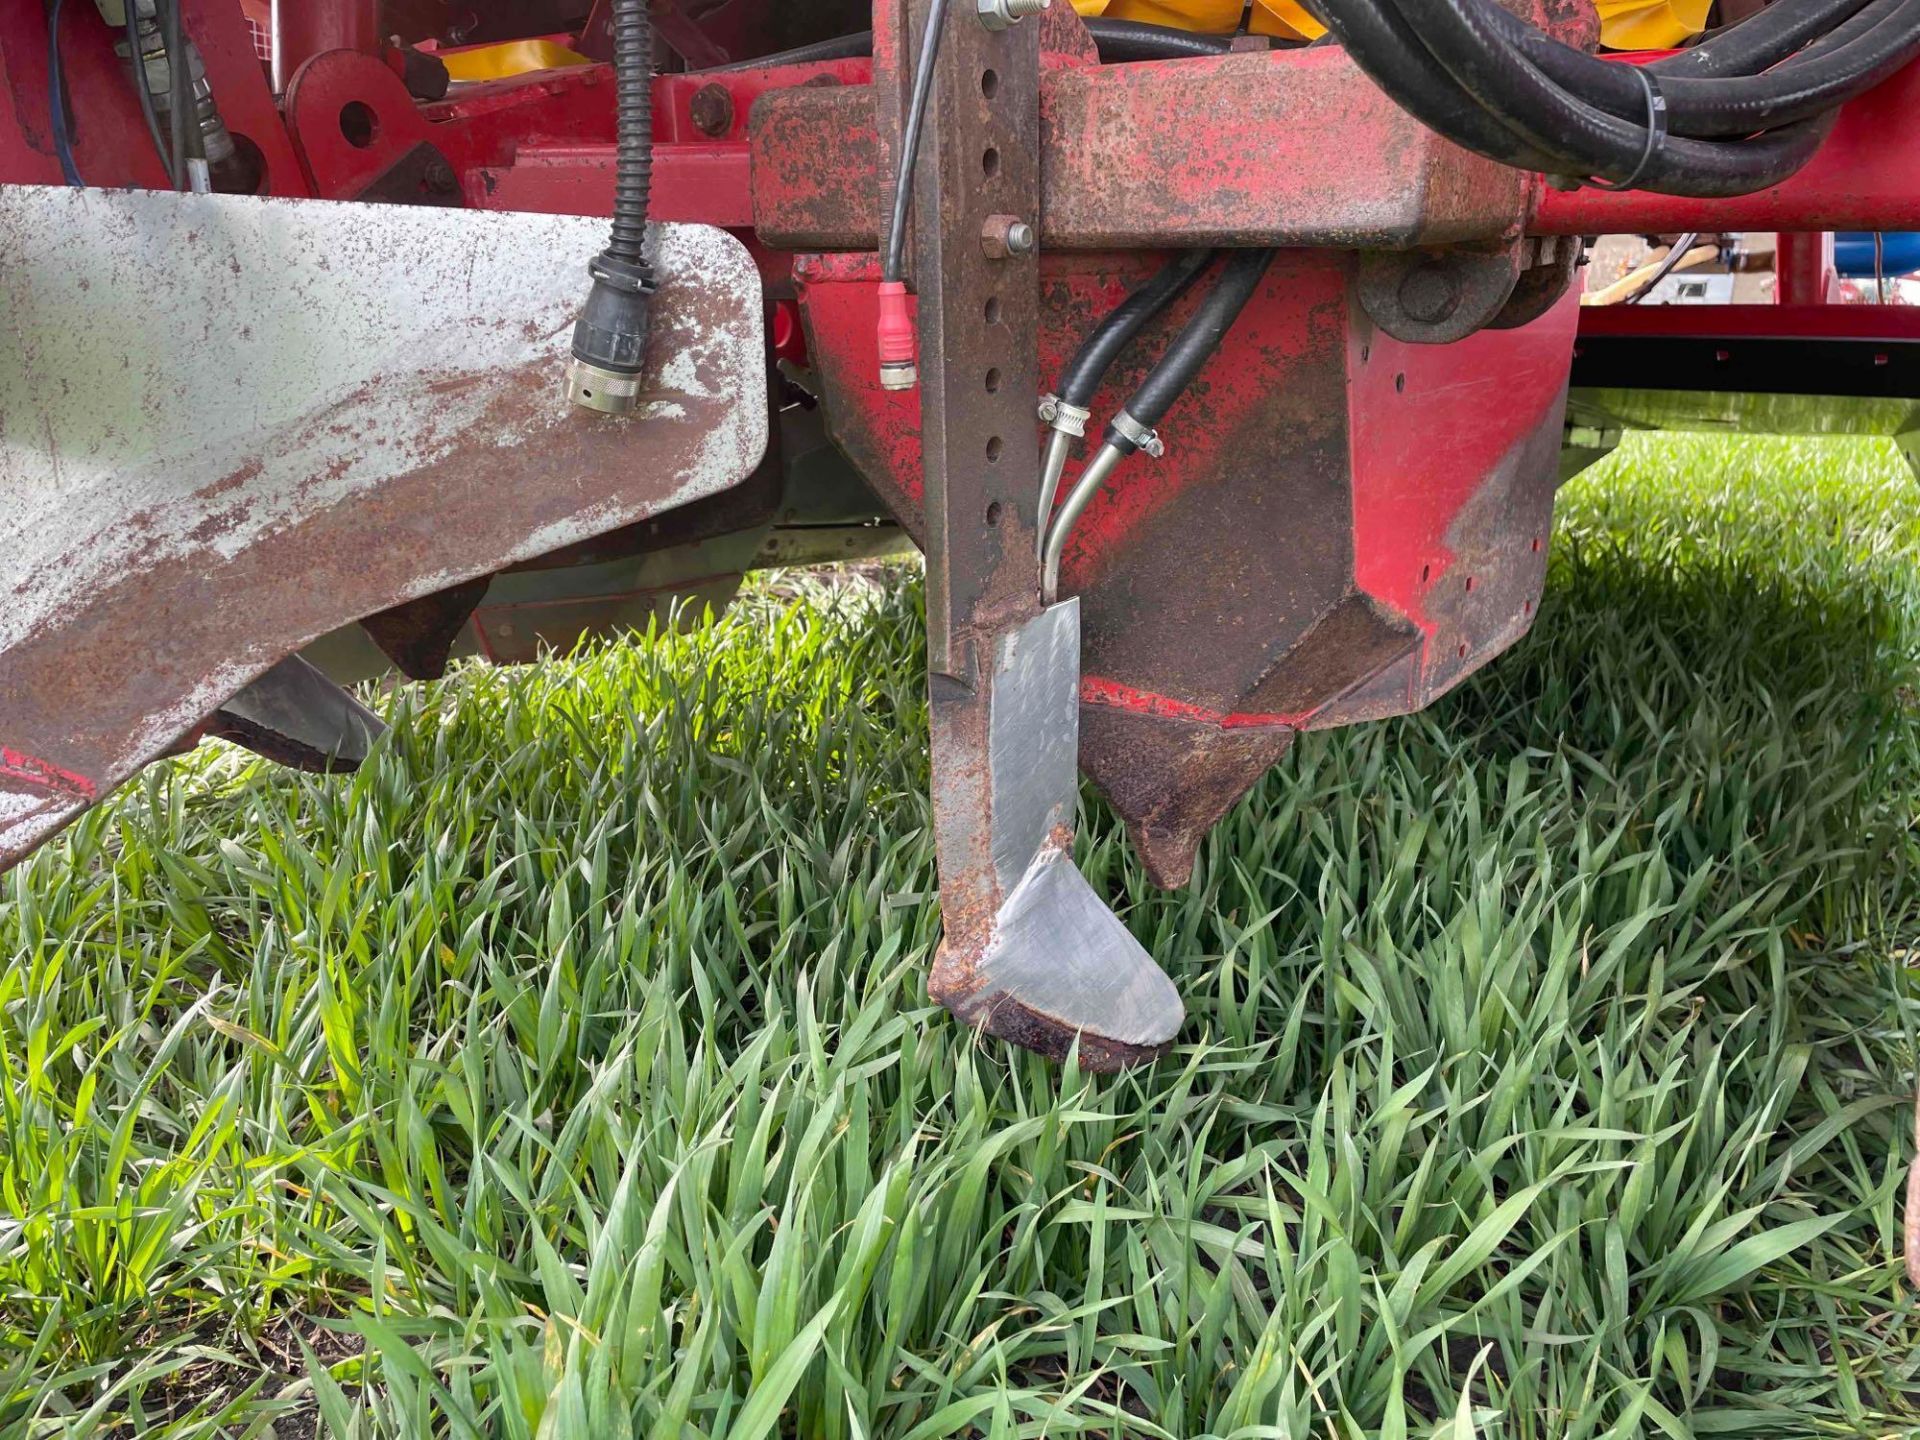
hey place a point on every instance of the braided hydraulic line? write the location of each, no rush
(1741, 112)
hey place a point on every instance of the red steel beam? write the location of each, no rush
(1226, 150)
(1754, 322)
(1223, 151)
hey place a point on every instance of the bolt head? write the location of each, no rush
(1000, 14)
(1004, 236)
(1429, 293)
(712, 111)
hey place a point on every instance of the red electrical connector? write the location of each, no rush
(898, 367)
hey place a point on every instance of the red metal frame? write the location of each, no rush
(302, 29)
(1866, 177)
(545, 143)
(1863, 178)
(1804, 272)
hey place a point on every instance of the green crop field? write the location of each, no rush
(569, 1072)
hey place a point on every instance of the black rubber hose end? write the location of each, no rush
(1196, 344)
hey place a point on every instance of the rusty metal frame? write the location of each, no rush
(978, 319)
(1029, 952)
(1115, 172)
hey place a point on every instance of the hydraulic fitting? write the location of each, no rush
(143, 45)
(1067, 418)
(1128, 435)
(1068, 423)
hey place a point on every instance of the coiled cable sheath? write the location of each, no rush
(633, 102)
(610, 337)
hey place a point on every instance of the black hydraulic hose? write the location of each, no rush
(1855, 55)
(1083, 374)
(1590, 142)
(633, 105)
(857, 46)
(1118, 41)
(1123, 41)
(1197, 343)
(180, 88)
(1759, 41)
(1390, 51)
(1133, 428)
(1823, 77)
(57, 98)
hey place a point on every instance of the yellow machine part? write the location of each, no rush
(514, 57)
(1219, 17)
(1651, 24)
(1624, 24)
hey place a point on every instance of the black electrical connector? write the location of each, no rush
(610, 337)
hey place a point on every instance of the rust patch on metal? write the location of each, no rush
(1007, 1019)
(1172, 780)
(418, 636)
(1228, 150)
(37, 774)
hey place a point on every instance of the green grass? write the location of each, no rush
(569, 1072)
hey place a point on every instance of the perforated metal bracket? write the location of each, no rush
(1004, 675)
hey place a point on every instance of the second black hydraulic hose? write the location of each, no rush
(1200, 340)
(1090, 363)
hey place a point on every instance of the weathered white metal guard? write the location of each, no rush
(229, 425)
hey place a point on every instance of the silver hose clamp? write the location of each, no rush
(1138, 435)
(1067, 419)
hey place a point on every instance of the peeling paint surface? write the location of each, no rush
(228, 425)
